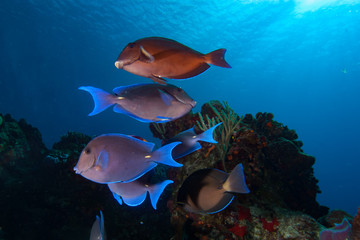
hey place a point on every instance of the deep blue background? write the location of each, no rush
(297, 59)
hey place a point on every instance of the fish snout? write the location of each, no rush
(193, 103)
(119, 64)
(77, 171)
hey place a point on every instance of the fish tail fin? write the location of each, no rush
(207, 136)
(102, 99)
(236, 181)
(163, 155)
(217, 58)
(156, 190)
(102, 227)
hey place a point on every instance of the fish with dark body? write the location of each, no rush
(113, 158)
(134, 193)
(98, 228)
(144, 102)
(157, 57)
(190, 141)
(208, 191)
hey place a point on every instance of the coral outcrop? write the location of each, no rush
(44, 197)
(278, 173)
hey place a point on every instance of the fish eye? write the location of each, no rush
(87, 151)
(131, 45)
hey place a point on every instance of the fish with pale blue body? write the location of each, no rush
(190, 141)
(134, 193)
(111, 158)
(144, 102)
(208, 191)
(98, 228)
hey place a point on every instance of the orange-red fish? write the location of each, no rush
(157, 57)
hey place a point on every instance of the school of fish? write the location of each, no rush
(125, 162)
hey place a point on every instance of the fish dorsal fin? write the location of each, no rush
(102, 160)
(236, 181)
(165, 97)
(135, 201)
(149, 146)
(190, 130)
(156, 190)
(120, 89)
(145, 56)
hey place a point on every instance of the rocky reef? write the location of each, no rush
(42, 194)
(277, 171)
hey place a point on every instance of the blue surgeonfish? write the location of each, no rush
(157, 57)
(134, 193)
(98, 228)
(144, 102)
(189, 141)
(115, 157)
(209, 191)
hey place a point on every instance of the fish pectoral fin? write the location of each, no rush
(166, 98)
(145, 56)
(158, 79)
(102, 160)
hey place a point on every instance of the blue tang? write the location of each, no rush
(114, 157)
(144, 102)
(134, 193)
(189, 141)
(209, 191)
(98, 228)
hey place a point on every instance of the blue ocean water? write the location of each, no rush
(297, 59)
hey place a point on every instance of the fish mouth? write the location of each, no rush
(77, 171)
(119, 64)
(193, 103)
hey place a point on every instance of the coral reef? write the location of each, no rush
(41, 193)
(278, 173)
(45, 198)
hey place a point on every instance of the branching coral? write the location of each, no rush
(231, 122)
(160, 128)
